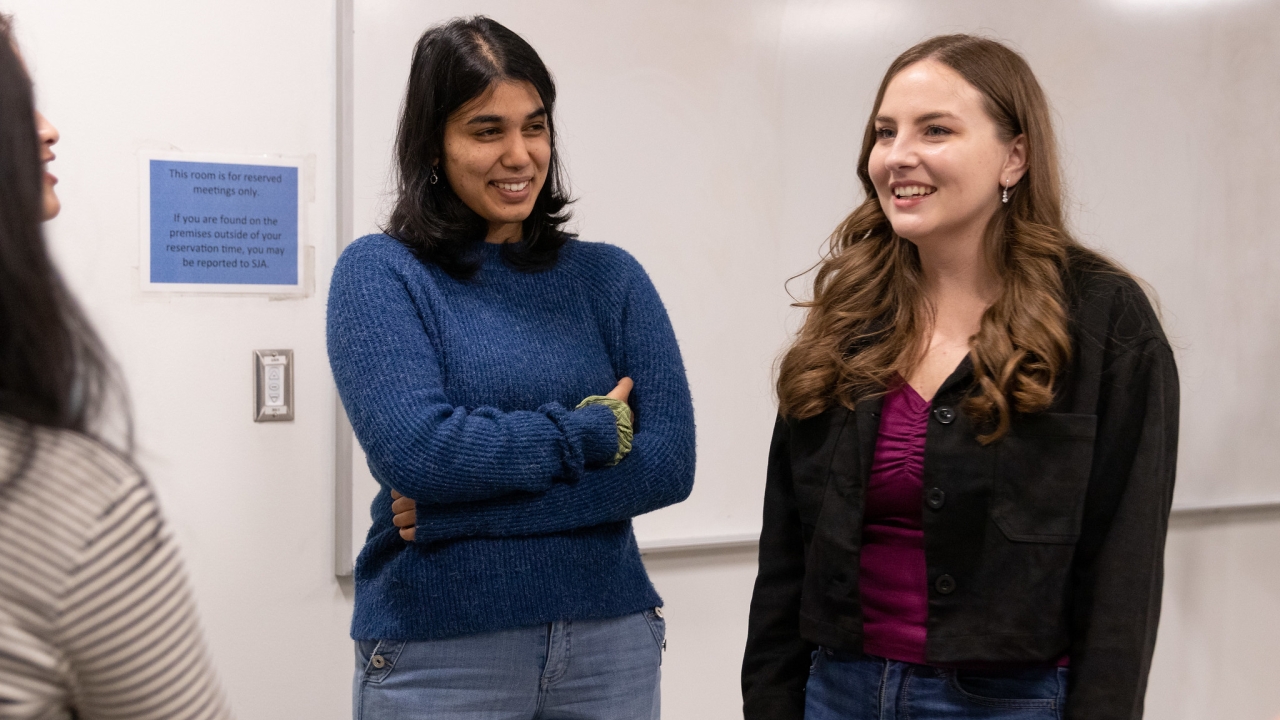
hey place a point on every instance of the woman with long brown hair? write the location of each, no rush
(970, 477)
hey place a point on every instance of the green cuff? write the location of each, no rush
(622, 414)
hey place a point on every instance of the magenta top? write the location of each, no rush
(892, 576)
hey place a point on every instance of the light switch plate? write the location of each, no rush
(272, 385)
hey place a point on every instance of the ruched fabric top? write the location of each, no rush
(892, 576)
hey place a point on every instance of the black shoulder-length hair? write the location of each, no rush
(454, 63)
(54, 371)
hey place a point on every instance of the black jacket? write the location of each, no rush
(1048, 541)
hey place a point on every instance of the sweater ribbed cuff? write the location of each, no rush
(596, 428)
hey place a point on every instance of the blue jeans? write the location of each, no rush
(853, 686)
(566, 670)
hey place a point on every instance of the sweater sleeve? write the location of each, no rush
(1119, 571)
(389, 377)
(658, 471)
(128, 624)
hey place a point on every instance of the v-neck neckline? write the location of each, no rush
(914, 398)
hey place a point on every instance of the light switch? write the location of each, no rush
(272, 385)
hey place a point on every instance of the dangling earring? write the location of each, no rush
(435, 178)
(1004, 196)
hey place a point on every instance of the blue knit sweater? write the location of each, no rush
(461, 394)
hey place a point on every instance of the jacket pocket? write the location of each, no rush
(1042, 472)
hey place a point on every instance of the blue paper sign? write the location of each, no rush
(223, 224)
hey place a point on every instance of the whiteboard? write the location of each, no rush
(717, 141)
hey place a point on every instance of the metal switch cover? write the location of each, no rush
(272, 385)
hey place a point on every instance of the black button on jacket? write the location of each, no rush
(1049, 541)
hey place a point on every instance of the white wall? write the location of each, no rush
(1216, 652)
(252, 504)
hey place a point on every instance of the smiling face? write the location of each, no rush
(48, 135)
(496, 152)
(939, 161)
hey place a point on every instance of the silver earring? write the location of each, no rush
(435, 179)
(1004, 196)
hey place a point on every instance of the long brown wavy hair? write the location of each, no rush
(869, 311)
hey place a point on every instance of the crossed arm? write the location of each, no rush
(486, 472)
(406, 509)
(658, 471)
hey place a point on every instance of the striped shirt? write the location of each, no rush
(96, 619)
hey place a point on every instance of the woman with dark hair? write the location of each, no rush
(969, 484)
(96, 620)
(468, 344)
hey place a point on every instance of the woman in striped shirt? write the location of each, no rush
(96, 620)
